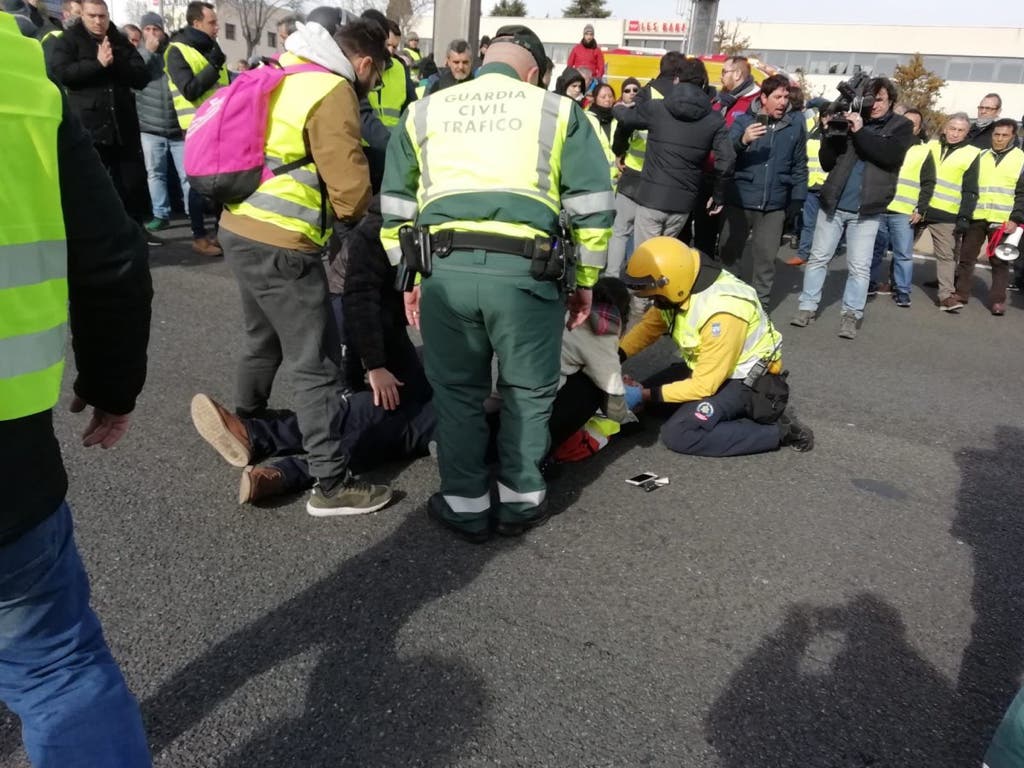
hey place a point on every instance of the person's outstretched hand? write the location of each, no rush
(104, 429)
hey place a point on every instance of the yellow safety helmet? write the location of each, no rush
(663, 266)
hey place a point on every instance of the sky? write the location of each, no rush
(939, 12)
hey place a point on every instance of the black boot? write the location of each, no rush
(794, 433)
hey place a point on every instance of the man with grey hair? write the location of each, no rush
(286, 26)
(952, 205)
(458, 68)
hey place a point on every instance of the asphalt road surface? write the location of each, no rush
(860, 605)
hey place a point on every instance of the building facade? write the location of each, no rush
(973, 60)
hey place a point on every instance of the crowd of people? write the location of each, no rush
(504, 221)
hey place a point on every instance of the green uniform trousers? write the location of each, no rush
(476, 305)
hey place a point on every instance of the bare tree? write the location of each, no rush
(402, 12)
(254, 15)
(727, 39)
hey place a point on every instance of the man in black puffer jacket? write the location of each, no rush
(98, 68)
(682, 129)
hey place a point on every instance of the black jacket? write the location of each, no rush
(192, 85)
(110, 294)
(981, 137)
(881, 144)
(374, 311)
(682, 129)
(443, 79)
(154, 102)
(101, 96)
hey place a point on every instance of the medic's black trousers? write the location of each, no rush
(719, 425)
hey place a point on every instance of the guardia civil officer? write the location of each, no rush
(729, 398)
(487, 167)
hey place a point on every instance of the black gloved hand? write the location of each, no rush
(216, 56)
(962, 225)
(795, 208)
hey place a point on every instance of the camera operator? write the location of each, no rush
(863, 160)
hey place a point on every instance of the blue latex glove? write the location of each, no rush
(634, 396)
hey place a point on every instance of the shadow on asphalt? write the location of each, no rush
(841, 686)
(365, 705)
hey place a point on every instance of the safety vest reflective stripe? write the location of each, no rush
(613, 168)
(31, 352)
(908, 185)
(52, 33)
(731, 296)
(997, 184)
(185, 109)
(31, 263)
(949, 172)
(592, 202)
(390, 205)
(33, 254)
(292, 200)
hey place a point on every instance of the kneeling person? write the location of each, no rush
(722, 333)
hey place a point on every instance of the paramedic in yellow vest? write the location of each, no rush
(64, 238)
(953, 202)
(274, 239)
(1000, 201)
(725, 338)
(914, 189)
(490, 183)
(195, 69)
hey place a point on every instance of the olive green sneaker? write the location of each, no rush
(354, 498)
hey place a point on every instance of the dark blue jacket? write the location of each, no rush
(771, 173)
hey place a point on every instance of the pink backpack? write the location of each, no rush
(225, 144)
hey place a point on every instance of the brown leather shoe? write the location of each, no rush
(222, 429)
(259, 483)
(204, 247)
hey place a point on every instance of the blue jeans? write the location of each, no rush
(860, 246)
(56, 672)
(155, 149)
(895, 232)
(810, 216)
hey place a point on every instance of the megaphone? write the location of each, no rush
(1003, 246)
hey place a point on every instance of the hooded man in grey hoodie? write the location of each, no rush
(273, 241)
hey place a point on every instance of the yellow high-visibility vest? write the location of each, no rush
(949, 175)
(908, 186)
(816, 175)
(997, 184)
(185, 109)
(730, 295)
(606, 145)
(638, 143)
(33, 253)
(292, 200)
(390, 99)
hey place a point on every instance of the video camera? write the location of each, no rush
(851, 99)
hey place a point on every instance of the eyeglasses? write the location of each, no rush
(984, 108)
(630, 90)
(380, 78)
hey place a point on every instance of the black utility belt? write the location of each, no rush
(444, 242)
(551, 259)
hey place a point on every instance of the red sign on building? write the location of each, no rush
(673, 28)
